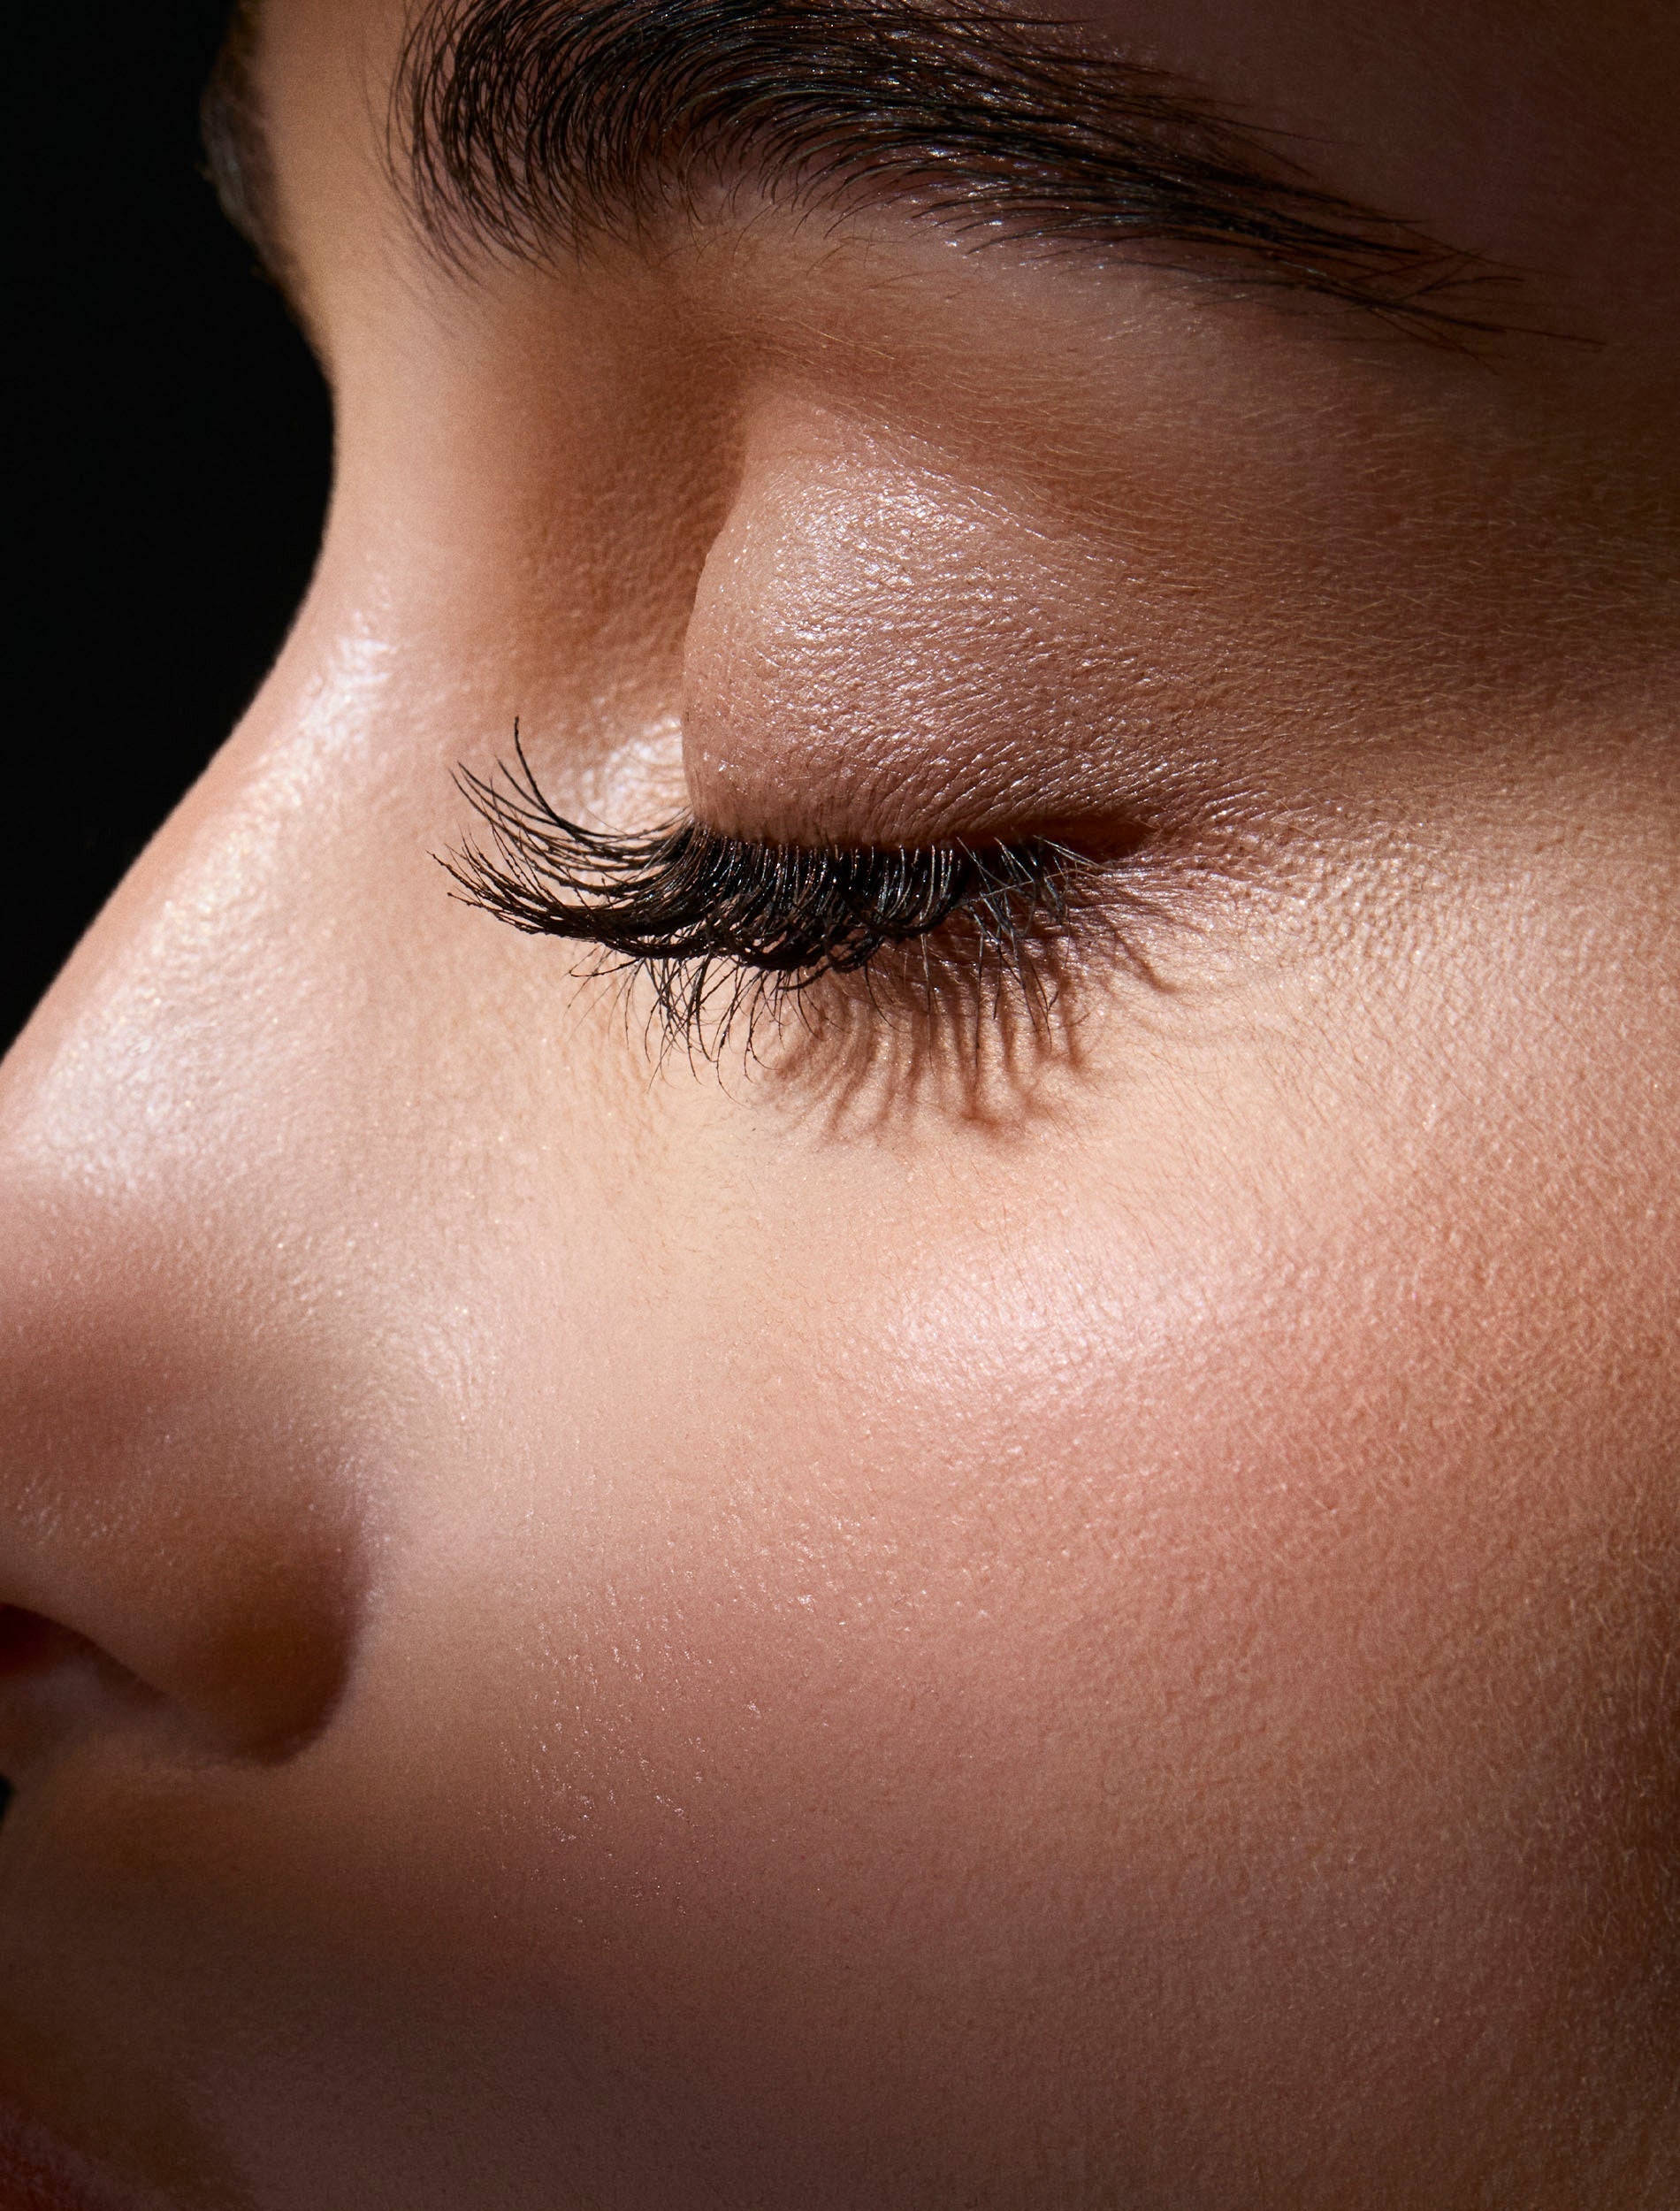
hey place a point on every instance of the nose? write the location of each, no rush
(170, 1541)
(185, 1454)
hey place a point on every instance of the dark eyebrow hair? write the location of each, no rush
(525, 126)
(519, 125)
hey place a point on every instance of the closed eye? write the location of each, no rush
(730, 929)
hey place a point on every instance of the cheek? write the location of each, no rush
(1052, 1693)
(1049, 1644)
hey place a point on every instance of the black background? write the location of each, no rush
(173, 447)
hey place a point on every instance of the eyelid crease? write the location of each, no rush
(521, 123)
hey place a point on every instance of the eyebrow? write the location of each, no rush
(522, 127)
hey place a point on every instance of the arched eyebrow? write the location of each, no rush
(531, 127)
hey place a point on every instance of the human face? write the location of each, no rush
(1057, 1590)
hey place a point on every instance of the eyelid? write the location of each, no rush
(730, 930)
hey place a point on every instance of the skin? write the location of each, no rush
(1082, 1621)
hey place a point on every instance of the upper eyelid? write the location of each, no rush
(728, 928)
(517, 128)
(545, 869)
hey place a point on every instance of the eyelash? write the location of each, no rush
(732, 934)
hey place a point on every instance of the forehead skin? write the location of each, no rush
(1098, 1635)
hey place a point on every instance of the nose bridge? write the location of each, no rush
(219, 1328)
(164, 1495)
(216, 1311)
(172, 1491)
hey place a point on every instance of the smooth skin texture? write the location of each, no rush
(1085, 1621)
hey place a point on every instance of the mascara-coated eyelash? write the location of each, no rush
(728, 928)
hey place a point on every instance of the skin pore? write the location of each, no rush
(978, 1605)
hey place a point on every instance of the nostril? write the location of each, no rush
(32, 1647)
(180, 1542)
(53, 1684)
(27, 1642)
(25, 1638)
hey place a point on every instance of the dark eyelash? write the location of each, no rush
(728, 930)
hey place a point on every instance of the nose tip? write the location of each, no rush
(167, 1501)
